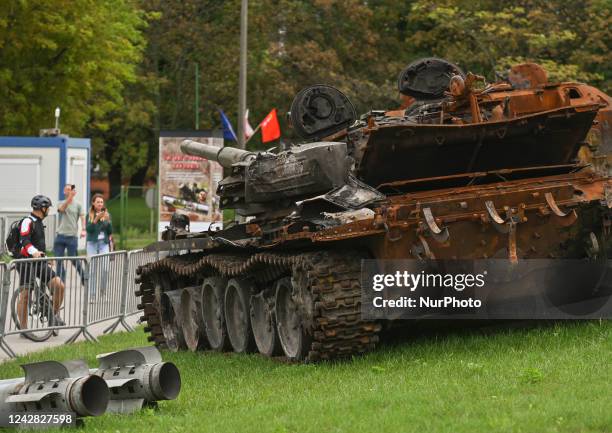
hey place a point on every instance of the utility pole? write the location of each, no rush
(243, 72)
(197, 96)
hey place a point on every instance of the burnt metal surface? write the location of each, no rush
(476, 178)
(182, 244)
(427, 78)
(527, 76)
(326, 294)
(464, 169)
(401, 150)
(401, 216)
(307, 169)
(320, 110)
(527, 218)
(350, 196)
(598, 149)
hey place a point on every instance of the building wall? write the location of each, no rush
(77, 171)
(25, 172)
(42, 165)
(101, 186)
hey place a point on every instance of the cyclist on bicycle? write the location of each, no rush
(32, 245)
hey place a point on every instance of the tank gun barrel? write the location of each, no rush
(226, 156)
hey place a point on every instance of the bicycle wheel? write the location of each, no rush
(34, 308)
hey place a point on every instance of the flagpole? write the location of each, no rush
(243, 72)
(197, 96)
(253, 134)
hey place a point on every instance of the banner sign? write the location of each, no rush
(187, 184)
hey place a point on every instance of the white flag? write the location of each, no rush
(248, 129)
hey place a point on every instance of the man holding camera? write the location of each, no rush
(67, 239)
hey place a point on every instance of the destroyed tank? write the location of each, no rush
(461, 171)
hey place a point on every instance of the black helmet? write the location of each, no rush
(40, 201)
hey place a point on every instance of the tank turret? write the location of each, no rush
(226, 156)
(275, 182)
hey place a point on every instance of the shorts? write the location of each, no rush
(30, 271)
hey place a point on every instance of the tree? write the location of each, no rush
(124, 140)
(292, 44)
(76, 54)
(486, 36)
(123, 69)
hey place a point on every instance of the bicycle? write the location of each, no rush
(40, 303)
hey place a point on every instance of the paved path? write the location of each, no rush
(21, 346)
(105, 272)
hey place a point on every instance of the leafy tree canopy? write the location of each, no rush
(76, 54)
(124, 69)
(570, 39)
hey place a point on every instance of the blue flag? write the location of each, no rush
(228, 131)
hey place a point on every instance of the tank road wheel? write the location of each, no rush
(171, 320)
(213, 315)
(264, 324)
(193, 330)
(294, 341)
(237, 317)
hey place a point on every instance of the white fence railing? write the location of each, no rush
(39, 297)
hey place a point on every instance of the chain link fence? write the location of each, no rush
(39, 297)
(134, 214)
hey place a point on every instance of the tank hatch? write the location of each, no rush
(427, 78)
(319, 111)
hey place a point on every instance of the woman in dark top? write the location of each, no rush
(99, 230)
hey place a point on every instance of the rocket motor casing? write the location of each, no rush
(137, 377)
(52, 386)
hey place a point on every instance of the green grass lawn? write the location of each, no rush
(555, 378)
(138, 214)
(138, 222)
(139, 241)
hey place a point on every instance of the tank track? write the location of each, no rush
(331, 281)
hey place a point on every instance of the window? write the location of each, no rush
(20, 181)
(77, 175)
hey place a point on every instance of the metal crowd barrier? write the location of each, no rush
(41, 298)
(2, 234)
(107, 283)
(3, 308)
(45, 296)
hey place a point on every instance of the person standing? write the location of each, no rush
(67, 239)
(99, 234)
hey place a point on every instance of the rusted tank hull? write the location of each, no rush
(598, 148)
(303, 286)
(402, 152)
(527, 218)
(463, 172)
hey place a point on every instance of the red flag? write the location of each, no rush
(270, 129)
